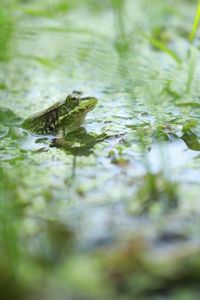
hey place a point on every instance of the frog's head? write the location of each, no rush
(75, 108)
(74, 102)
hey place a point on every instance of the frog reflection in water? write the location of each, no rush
(62, 117)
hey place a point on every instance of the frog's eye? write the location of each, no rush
(63, 110)
(72, 100)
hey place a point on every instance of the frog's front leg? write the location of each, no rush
(59, 140)
(61, 133)
(65, 138)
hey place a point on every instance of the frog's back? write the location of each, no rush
(43, 121)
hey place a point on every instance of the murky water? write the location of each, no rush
(97, 191)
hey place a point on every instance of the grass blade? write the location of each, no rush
(195, 24)
(162, 47)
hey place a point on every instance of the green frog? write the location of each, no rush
(62, 117)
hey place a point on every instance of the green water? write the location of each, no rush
(104, 218)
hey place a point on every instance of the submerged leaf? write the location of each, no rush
(192, 141)
(8, 117)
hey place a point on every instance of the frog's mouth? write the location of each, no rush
(86, 104)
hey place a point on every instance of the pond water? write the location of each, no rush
(143, 178)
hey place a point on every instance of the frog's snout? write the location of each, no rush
(89, 102)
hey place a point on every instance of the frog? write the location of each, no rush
(62, 117)
(60, 125)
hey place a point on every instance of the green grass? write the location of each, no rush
(6, 29)
(162, 47)
(95, 220)
(195, 24)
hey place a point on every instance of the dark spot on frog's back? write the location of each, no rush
(51, 121)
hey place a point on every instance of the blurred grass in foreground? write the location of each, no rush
(6, 28)
(10, 284)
